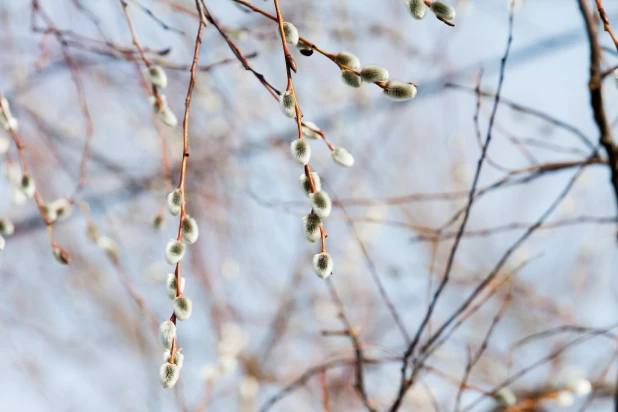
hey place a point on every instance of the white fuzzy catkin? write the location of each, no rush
(371, 73)
(443, 10)
(157, 222)
(170, 284)
(348, 59)
(505, 397)
(5, 110)
(342, 157)
(168, 117)
(174, 251)
(183, 307)
(417, 9)
(62, 207)
(564, 399)
(290, 33)
(163, 111)
(179, 358)
(301, 150)
(169, 374)
(190, 231)
(61, 256)
(108, 245)
(286, 103)
(18, 197)
(7, 120)
(12, 124)
(157, 76)
(350, 78)
(154, 103)
(167, 333)
(174, 199)
(321, 203)
(580, 386)
(2, 243)
(5, 144)
(323, 265)
(304, 48)
(6, 227)
(27, 185)
(307, 132)
(399, 91)
(306, 186)
(51, 213)
(311, 227)
(236, 34)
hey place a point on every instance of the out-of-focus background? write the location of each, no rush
(80, 337)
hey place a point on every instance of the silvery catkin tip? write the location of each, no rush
(174, 251)
(321, 203)
(348, 59)
(157, 76)
(417, 9)
(27, 185)
(290, 33)
(62, 208)
(371, 73)
(169, 374)
(183, 307)
(323, 265)
(174, 200)
(305, 184)
(170, 284)
(190, 230)
(309, 130)
(6, 227)
(301, 151)
(443, 10)
(286, 103)
(167, 333)
(342, 157)
(399, 91)
(350, 78)
(311, 227)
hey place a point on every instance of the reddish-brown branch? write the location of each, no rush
(290, 65)
(26, 172)
(312, 45)
(606, 24)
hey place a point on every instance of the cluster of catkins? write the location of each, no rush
(23, 186)
(158, 78)
(7, 121)
(418, 9)
(351, 72)
(6, 228)
(319, 200)
(174, 252)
